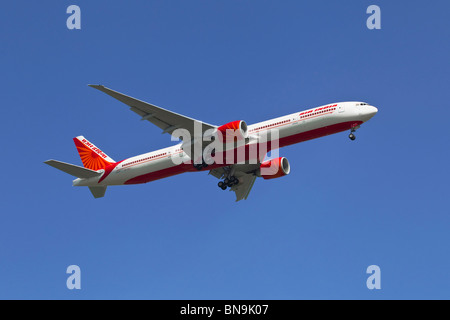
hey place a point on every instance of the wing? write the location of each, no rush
(246, 175)
(243, 189)
(166, 120)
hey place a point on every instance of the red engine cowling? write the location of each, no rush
(236, 130)
(275, 168)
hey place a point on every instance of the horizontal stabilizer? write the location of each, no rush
(73, 170)
(98, 192)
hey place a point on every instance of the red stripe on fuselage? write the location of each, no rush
(164, 173)
(286, 141)
(108, 170)
(317, 133)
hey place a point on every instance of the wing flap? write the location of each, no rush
(243, 189)
(244, 172)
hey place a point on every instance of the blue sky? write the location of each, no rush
(382, 199)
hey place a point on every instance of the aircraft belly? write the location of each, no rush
(122, 175)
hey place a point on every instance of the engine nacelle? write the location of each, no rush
(274, 168)
(236, 130)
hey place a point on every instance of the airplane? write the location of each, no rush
(235, 164)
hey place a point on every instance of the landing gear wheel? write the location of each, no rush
(232, 181)
(200, 166)
(222, 185)
(353, 129)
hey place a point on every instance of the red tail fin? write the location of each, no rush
(92, 157)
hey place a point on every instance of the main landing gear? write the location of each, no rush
(228, 182)
(204, 164)
(200, 166)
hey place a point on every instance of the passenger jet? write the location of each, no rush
(237, 155)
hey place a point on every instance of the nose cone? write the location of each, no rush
(369, 112)
(373, 110)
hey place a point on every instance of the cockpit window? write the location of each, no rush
(362, 104)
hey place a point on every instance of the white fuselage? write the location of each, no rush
(293, 128)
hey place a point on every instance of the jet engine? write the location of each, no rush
(235, 130)
(274, 168)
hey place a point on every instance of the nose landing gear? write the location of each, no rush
(352, 135)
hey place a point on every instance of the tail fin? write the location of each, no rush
(92, 157)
